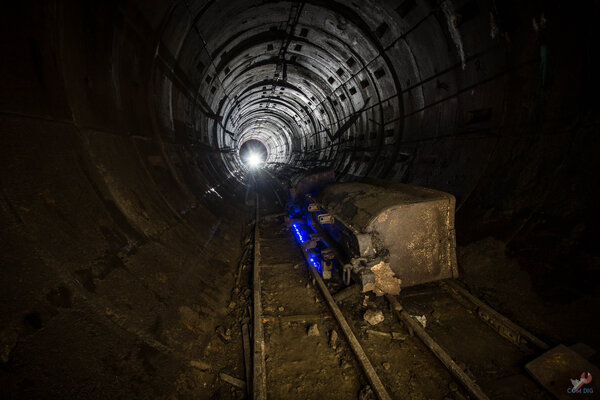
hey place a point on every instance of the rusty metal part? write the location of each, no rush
(327, 267)
(295, 318)
(247, 356)
(505, 327)
(325, 219)
(436, 349)
(346, 292)
(345, 235)
(259, 383)
(410, 227)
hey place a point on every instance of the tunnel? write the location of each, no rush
(136, 135)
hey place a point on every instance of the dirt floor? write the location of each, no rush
(302, 360)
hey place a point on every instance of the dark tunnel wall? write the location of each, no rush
(117, 259)
(120, 180)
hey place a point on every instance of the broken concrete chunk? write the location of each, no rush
(225, 335)
(333, 337)
(201, 365)
(373, 317)
(421, 319)
(313, 330)
(385, 280)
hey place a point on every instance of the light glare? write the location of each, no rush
(254, 160)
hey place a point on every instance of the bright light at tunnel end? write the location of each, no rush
(254, 160)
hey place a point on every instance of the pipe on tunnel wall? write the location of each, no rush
(122, 120)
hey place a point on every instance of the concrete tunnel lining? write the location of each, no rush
(122, 191)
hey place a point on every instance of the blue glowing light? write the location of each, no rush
(316, 264)
(302, 237)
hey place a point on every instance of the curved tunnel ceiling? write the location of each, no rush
(306, 79)
(425, 92)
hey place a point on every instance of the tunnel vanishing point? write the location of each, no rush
(135, 136)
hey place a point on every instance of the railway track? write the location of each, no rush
(436, 341)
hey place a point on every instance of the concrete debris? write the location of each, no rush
(224, 334)
(386, 366)
(385, 280)
(373, 317)
(233, 381)
(313, 330)
(379, 333)
(421, 319)
(201, 365)
(366, 393)
(365, 300)
(333, 338)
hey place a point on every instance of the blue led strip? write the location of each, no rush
(302, 237)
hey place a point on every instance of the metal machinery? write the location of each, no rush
(382, 235)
